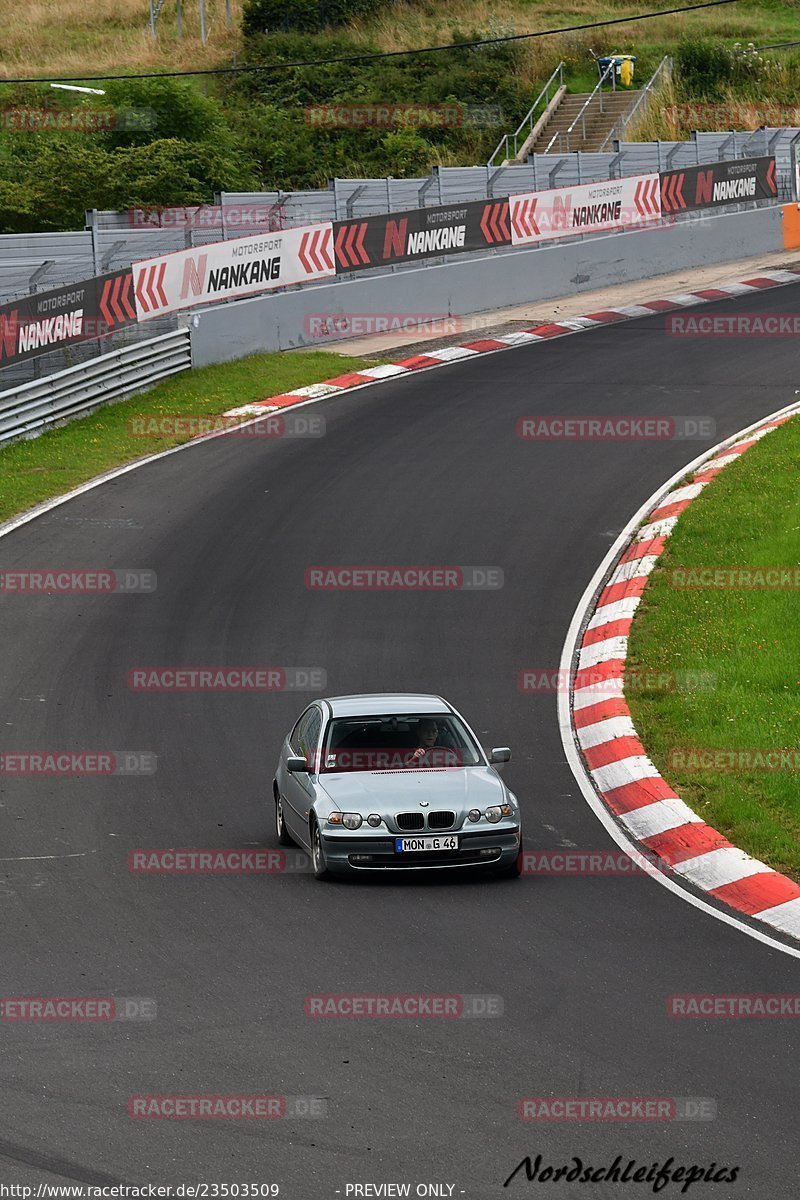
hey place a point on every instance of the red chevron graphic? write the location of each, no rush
(103, 305)
(115, 290)
(646, 197)
(144, 304)
(152, 295)
(502, 221)
(162, 295)
(771, 183)
(494, 222)
(349, 245)
(523, 219)
(677, 191)
(672, 196)
(125, 299)
(314, 250)
(308, 267)
(324, 248)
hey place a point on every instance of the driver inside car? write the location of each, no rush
(427, 737)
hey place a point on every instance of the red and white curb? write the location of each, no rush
(523, 337)
(628, 783)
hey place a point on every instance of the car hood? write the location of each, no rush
(459, 788)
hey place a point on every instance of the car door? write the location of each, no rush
(299, 784)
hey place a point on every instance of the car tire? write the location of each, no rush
(514, 869)
(281, 832)
(318, 862)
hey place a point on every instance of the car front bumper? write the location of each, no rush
(497, 847)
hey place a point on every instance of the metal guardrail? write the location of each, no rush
(527, 121)
(618, 128)
(33, 406)
(610, 72)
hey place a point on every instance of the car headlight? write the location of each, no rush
(497, 812)
(474, 814)
(352, 820)
(374, 820)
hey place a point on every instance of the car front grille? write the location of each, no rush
(410, 820)
(441, 819)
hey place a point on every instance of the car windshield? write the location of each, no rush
(398, 743)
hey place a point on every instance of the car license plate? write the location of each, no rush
(425, 842)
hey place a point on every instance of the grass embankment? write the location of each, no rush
(43, 37)
(748, 639)
(268, 129)
(71, 37)
(55, 462)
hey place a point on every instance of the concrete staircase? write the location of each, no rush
(598, 124)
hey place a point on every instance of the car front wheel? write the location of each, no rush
(318, 854)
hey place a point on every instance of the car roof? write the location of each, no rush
(379, 704)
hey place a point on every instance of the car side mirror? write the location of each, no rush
(500, 754)
(296, 764)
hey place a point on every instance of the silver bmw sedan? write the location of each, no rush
(393, 782)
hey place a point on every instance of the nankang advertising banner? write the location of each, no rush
(239, 267)
(77, 312)
(713, 184)
(420, 233)
(584, 208)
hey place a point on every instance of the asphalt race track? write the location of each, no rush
(423, 471)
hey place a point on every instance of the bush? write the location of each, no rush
(268, 109)
(49, 182)
(300, 16)
(179, 110)
(702, 69)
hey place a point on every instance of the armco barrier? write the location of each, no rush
(33, 406)
(482, 283)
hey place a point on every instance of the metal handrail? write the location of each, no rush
(527, 120)
(619, 127)
(610, 70)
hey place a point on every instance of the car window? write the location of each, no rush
(305, 734)
(297, 736)
(311, 734)
(393, 742)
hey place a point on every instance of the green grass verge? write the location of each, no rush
(748, 640)
(55, 462)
